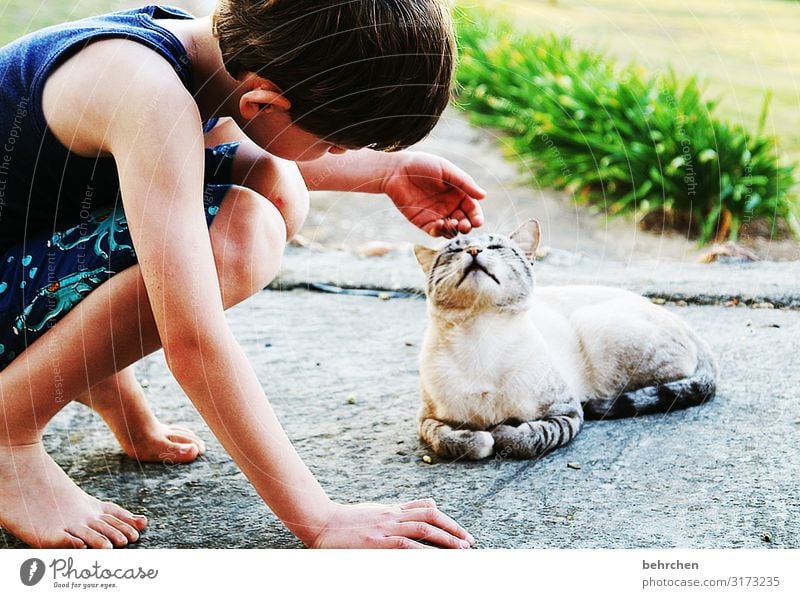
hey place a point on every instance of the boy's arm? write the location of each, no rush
(431, 192)
(161, 176)
(158, 148)
(357, 170)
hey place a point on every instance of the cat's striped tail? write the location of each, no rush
(694, 390)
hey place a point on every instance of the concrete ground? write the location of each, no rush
(341, 372)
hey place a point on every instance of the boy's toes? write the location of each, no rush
(185, 430)
(165, 444)
(127, 530)
(67, 540)
(115, 536)
(188, 438)
(138, 522)
(92, 537)
(180, 452)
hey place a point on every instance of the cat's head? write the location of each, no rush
(482, 271)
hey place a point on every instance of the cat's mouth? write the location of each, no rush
(476, 266)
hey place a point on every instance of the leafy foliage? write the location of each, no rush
(615, 135)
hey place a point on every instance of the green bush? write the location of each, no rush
(616, 136)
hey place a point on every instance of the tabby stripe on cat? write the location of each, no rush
(534, 439)
(433, 282)
(695, 390)
(526, 265)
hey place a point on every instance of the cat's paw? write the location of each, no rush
(506, 440)
(471, 444)
(504, 433)
(482, 445)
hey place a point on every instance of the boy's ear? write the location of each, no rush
(425, 257)
(261, 95)
(527, 237)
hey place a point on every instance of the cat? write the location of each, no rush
(510, 371)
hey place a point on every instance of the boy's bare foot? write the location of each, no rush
(121, 402)
(41, 506)
(161, 443)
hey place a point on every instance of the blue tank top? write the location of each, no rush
(42, 184)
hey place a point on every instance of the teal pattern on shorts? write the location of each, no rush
(44, 277)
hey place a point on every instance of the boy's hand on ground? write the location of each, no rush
(434, 194)
(372, 525)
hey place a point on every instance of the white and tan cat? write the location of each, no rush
(511, 371)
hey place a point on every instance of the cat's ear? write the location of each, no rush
(527, 237)
(425, 256)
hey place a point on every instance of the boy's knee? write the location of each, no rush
(283, 185)
(248, 236)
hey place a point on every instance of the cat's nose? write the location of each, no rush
(473, 251)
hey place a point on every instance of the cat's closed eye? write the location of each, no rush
(494, 247)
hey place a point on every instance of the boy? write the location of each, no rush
(120, 103)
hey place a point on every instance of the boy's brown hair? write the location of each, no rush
(359, 73)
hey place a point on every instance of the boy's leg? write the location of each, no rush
(121, 402)
(113, 327)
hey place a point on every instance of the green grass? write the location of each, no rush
(20, 16)
(739, 49)
(616, 135)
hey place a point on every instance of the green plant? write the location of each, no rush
(615, 135)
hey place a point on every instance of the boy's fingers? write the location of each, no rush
(420, 503)
(434, 516)
(442, 228)
(458, 215)
(427, 220)
(473, 211)
(450, 228)
(463, 225)
(461, 180)
(433, 228)
(403, 542)
(425, 531)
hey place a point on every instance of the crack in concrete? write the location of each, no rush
(497, 486)
(789, 302)
(757, 302)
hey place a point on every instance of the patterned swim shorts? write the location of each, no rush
(47, 275)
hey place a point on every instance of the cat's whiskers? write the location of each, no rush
(449, 271)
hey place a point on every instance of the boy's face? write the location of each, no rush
(275, 132)
(265, 119)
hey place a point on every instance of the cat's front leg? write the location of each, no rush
(451, 443)
(535, 438)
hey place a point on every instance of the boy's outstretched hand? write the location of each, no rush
(434, 194)
(371, 525)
